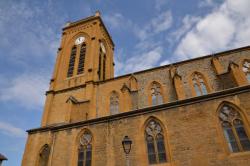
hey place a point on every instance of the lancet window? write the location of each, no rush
(199, 84)
(102, 62)
(234, 130)
(44, 155)
(81, 59)
(154, 136)
(114, 103)
(72, 62)
(246, 69)
(85, 149)
(156, 95)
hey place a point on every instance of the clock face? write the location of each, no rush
(80, 40)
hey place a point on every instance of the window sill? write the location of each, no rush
(161, 164)
(240, 154)
(75, 76)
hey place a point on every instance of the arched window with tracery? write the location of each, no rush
(44, 155)
(72, 62)
(85, 149)
(199, 84)
(114, 103)
(246, 69)
(81, 59)
(156, 94)
(154, 137)
(234, 130)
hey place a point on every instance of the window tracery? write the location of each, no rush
(155, 143)
(246, 69)
(233, 128)
(156, 95)
(114, 103)
(199, 84)
(85, 149)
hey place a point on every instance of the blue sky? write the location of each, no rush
(147, 33)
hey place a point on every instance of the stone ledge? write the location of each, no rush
(146, 110)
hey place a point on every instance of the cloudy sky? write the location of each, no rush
(147, 33)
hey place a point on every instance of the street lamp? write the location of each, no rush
(126, 143)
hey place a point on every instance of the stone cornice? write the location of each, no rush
(178, 103)
(65, 90)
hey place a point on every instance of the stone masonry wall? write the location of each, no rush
(192, 134)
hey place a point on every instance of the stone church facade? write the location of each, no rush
(190, 113)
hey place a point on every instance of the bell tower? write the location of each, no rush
(86, 52)
(85, 57)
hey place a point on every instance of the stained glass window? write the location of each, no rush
(155, 143)
(85, 150)
(233, 128)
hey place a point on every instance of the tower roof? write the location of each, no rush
(2, 157)
(90, 18)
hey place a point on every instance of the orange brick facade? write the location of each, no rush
(190, 123)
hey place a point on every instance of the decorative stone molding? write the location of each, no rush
(237, 74)
(217, 65)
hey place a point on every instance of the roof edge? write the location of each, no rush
(181, 62)
(90, 18)
(174, 104)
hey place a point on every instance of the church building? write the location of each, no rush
(190, 113)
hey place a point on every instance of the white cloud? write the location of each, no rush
(26, 32)
(207, 3)
(166, 62)
(117, 21)
(140, 62)
(159, 24)
(114, 20)
(148, 50)
(160, 3)
(225, 27)
(10, 130)
(27, 90)
(187, 23)
(156, 25)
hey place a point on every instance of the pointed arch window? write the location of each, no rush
(154, 138)
(199, 84)
(234, 130)
(246, 69)
(72, 62)
(44, 155)
(81, 59)
(85, 150)
(114, 103)
(102, 62)
(156, 95)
